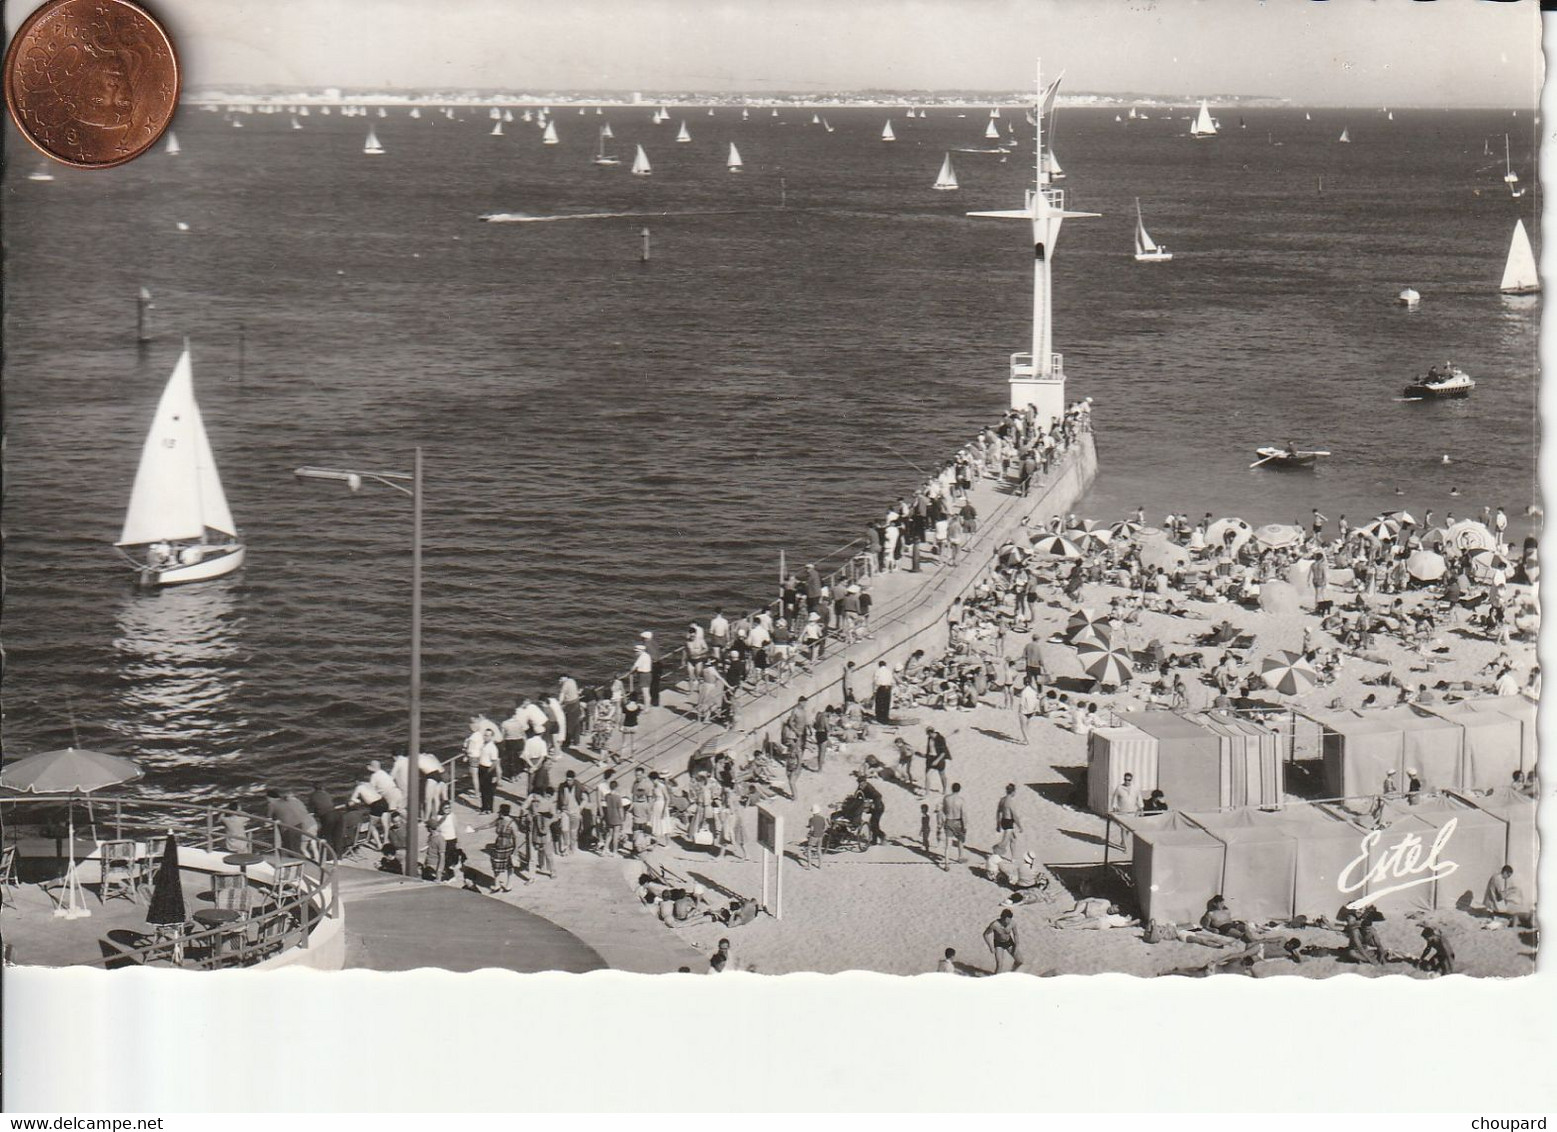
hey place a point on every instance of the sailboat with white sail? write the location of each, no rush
(826, 125)
(1520, 276)
(550, 136)
(641, 164)
(1346, 136)
(733, 161)
(178, 527)
(372, 146)
(172, 149)
(947, 180)
(601, 156)
(992, 131)
(1052, 164)
(605, 131)
(1147, 250)
(296, 125)
(497, 128)
(416, 111)
(1509, 177)
(745, 114)
(1203, 126)
(683, 135)
(816, 119)
(886, 132)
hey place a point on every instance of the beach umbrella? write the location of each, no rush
(1404, 518)
(1105, 662)
(1426, 566)
(1482, 564)
(1084, 620)
(1125, 528)
(1094, 539)
(1216, 533)
(1279, 597)
(1099, 633)
(1056, 546)
(1381, 528)
(1275, 536)
(167, 890)
(1468, 534)
(68, 771)
(1288, 673)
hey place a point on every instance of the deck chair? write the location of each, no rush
(8, 881)
(287, 882)
(119, 871)
(272, 936)
(231, 891)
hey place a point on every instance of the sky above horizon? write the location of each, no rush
(1344, 52)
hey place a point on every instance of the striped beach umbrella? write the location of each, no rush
(1107, 664)
(1125, 528)
(1404, 518)
(1056, 546)
(1426, 566)
(1468, 534)
(1084, 619)
(1089, 538)
(1275, 536)
(1381, 528)
(1288, 673)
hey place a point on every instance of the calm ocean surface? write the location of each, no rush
(614, 446)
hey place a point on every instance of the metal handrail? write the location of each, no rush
(319, 898)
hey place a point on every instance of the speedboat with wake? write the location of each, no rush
(1447, 380)
(1287, 456)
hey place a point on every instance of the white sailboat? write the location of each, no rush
(1132, 112)
(994, 111)
(302, 112)
(601, 156)
(1510, 177)
(886, 132)
(1147, 250)
(1307, 117)
(733, 162)
(1051, 163)
(1390, 116)
(372, 146)
(605, 131)
(416, 111)
(1117, 118)
(172, 149)
(1346, 136)
(816, 119)
(237, 123)
(497, 128)
(495, 114)
(641, 164)
(178, 523)
(528, 116)
(296, 125)
(1519, 274)
(826, 125)
(947, 180)
(775, 113)
(508, 115)
(382, 113)
(745, 114)
(992, 131)
(550, 136)
(1203, 126)
(683, 134)
(1409, 298)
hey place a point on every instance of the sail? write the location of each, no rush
(416, 112)
(1203, 126)
(497, 128)
(734, 160)
(744, 115)
(1346, 136)
(948, 177)
(177, 492)
(683, 135)
(372, 144)
(826, 126)
(550, 137)
(992, 130)
(1051, 165)
(1144, 245)
(605, 131)
(641, 163)
(1519, 273)
(495, 114)
(816, 119)
(1510, 177)
(172, 149)
(886, 132)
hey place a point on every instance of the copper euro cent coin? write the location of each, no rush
(91, 83)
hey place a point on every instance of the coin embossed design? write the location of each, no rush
(91, 83)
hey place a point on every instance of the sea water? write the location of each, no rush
(613, 445)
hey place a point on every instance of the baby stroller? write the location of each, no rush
(848, 829)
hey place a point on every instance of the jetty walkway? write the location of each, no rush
(591, 897)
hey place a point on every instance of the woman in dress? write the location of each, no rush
(659, 808)
(504, 841)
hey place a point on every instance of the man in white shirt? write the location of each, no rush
(1126, 798)
(883, 685)
(380, 780)
(718, 635)
(643, 670)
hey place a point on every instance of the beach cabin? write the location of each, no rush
(1207, 761)
(1476, 745)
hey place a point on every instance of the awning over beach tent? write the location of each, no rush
(1189, 760)
(1431, 745)
(1358, 752)
(1259, 863)
(1112, 752)
(1490, 744)
(1175, 872)
(1252, 771)
(1475, 847)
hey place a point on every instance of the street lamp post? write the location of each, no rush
(413, 778)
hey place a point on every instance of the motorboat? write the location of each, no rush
(1409, 298)
(1447, 380)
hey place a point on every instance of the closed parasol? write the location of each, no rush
(1426, 566)
(1275, 536)
(1106, 663)
(1288, 673)
(1217, 532)
(167, 890)
(1056, 546)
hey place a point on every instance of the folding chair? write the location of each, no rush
(231, 891)
(8, 881)
(120, 871)
(288, 881)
